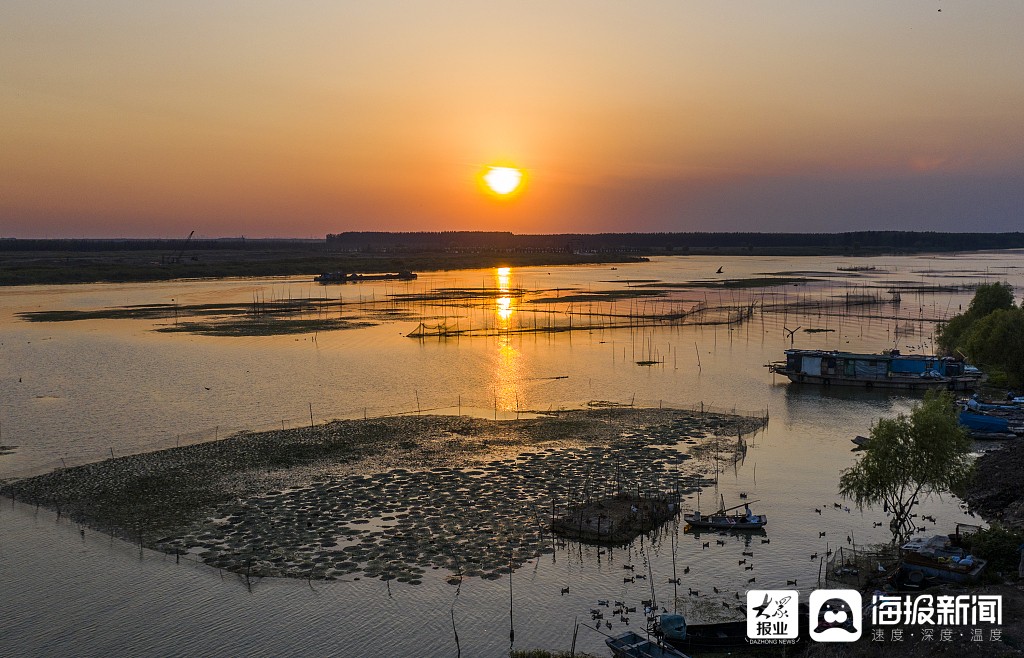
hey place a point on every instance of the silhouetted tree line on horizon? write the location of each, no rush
(157, 244)
(896, 240)
(503, 240)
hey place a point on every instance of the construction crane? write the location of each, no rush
(181, 254)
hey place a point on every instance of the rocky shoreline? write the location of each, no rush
(388, 498)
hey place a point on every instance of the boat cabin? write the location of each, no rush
(870, 366)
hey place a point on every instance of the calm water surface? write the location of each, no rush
(76, 391)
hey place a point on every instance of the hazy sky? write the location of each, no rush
(266, 118)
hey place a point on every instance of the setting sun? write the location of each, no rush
(503, 180)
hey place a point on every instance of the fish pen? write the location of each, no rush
(616, 519)
(518, 320)
(852, 567)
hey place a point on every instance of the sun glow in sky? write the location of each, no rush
(503, 180)
(266, 119)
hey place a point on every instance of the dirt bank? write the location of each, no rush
(997, 491)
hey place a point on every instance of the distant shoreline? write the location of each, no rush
(58, 268)
(66, 261)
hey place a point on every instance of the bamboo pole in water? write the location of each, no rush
(511, 626)
(458, 649)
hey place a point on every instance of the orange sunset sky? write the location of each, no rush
(297, 119)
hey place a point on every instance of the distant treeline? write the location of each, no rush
(131, 244)
(852, 241)
(571, 242)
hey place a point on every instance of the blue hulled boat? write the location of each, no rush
(978, 422)
(886, 370)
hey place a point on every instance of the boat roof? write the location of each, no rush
(857, 355)
(934, 545)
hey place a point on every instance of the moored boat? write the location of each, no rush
(718, 637)
(938, 558)
(695, 638)
(886, 370)
(727, 522)
(354, 277)
(722, 520)
(633, 645)
(988, 419)
(985, 423)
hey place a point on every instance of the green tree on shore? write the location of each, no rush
(909, 458)
(990, 333)
(988, 297)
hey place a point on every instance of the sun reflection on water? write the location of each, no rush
(504, 310)
(507, 375)
(507, 365)
(503, 304)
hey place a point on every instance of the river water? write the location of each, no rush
(73, 392)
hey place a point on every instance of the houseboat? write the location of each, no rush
(886, 370)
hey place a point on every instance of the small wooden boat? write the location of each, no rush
(722, 520)
(720, 637)
(727, 522)
(698, 638)
(633, 645)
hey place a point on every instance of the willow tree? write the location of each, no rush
(908, 459)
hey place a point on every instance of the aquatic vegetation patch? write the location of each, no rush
(267, 326)
(387, 498)
(917, 287)
(630, 282)
(146, 312)
(457, 294)
(256, 318)
(753, 282)
(598, 296)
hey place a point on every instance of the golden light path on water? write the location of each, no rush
(507, 372)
